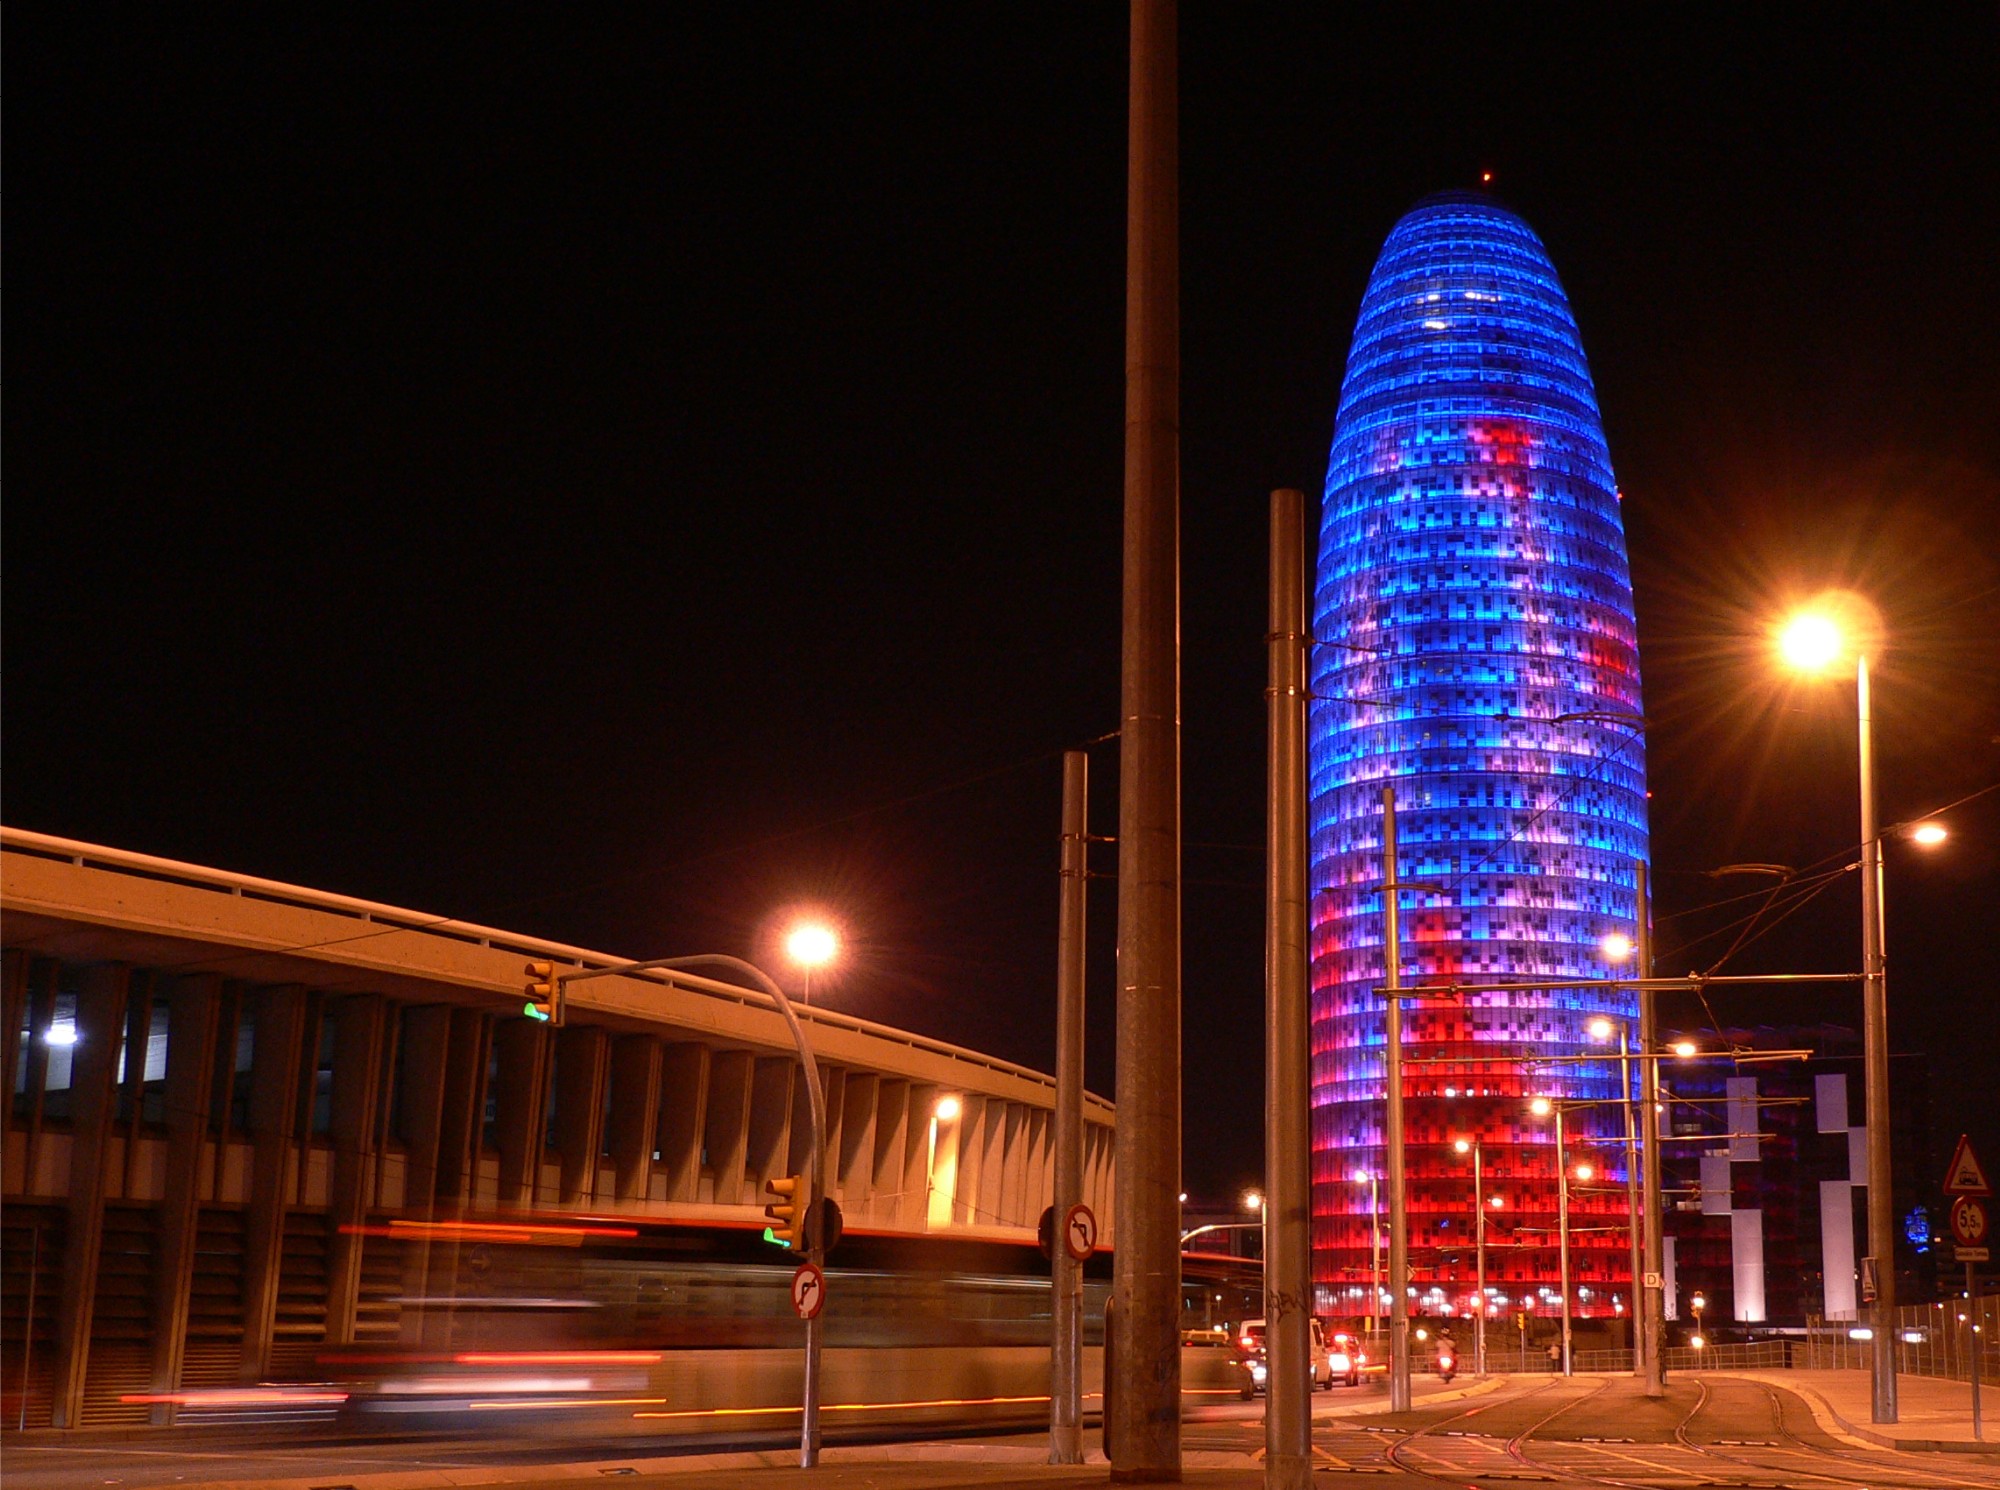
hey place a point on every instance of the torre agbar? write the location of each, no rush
(1476, 653)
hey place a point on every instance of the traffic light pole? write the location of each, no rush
(810, 1186)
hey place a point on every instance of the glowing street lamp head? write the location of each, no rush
(1498, 1202)
(1252, 1201)
(1930, 835)
(1362, 1177)
(1810, 642)
(1541, 1107)
(812, 944)
(1684, 1048)
(1586, 1171)
(1463, 1145)
(1600, 1028)
(1616, 946)
(947, 1109)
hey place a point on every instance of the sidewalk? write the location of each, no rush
(1933, 1415)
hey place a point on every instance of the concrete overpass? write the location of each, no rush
(225, 1088)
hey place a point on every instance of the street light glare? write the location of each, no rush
(1252, 1201)
(1810, 641)
(1616, 946)
(1684, 1048)
(1600, 1028)
(1585, 1171)
(1362, 1176)
(1541, 1107)
(1463, 1145)
(1930, 835)
(947, 1109)
(811, 944)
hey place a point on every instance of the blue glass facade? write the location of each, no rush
(1472, 588)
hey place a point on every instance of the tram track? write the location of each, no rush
(1691, 1458)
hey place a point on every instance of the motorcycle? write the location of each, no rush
(1447, 1365)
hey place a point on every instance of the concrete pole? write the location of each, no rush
(1875, 1059)
(1066, 1362)
(1399, 1199)
(1562, 1235)
(1144, 1411)
(1652, 1323)
(1633, 1226)
(1287, 1064)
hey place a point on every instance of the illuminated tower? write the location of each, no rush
(1472, 599)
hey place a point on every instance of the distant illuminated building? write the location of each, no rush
(1472, 592)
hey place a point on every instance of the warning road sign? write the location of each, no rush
(1963, 1176)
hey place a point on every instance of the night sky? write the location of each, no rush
(618, 474)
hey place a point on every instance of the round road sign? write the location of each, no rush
(1079, 1232)
(1968, 1221)
(808, 1291)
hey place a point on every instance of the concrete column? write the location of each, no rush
(947, 1171)
(635, 1114)
(892, 1141)
(583, 1061)
(727, 1130)
(41, 1013)
(913, 1205)
(358, 1025)
(992, 1163)
(835, 1087)
(857, 1139)
(1014, 1170)
(190, 1083)
(684, 1078)
(420, 1102)
(13, 1014)
(278, 1016)
(523, 1051)
(100, 1017)
(769, 1143)
(461, 1113)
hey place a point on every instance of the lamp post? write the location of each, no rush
(1253, 1201)
(1600, 1028)
(1543, 1107)
(1362, 1176)
(809, 1181)
(1479, 1251)
(1813, 641)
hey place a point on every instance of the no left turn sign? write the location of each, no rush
(808, 1291)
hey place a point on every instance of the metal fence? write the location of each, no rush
(1758, 1355)
(1939, 1340)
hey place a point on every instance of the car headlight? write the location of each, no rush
(1339, 1362)
(1257, 1371)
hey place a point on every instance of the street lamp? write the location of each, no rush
(811, 944)
(1814, 641)
(1479, 1247)
(1363, 1177)
(1617, 947)
(1543, 1107)
(1254, 1201)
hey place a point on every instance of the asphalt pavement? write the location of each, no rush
(1711, 1432)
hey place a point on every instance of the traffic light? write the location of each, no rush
(787, 1212)
(544, 993)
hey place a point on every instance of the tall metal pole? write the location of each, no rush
(1652, 1296)
(1632, 1222)
(1399, 1204)
(1374, 1252)
(1875, 1058)
(1562, 1234)
(1143, 1415)
(1287, 1065)
(1479, 1235)
(1066, 1358)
